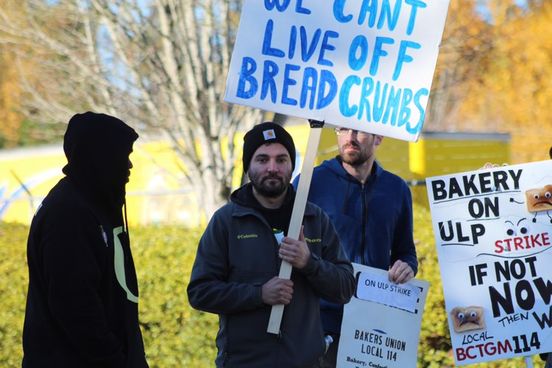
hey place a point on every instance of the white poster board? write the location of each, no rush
(381, 324)
(365, 65)
(493, 232)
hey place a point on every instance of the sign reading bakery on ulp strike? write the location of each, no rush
(493, 232)
(361, 64)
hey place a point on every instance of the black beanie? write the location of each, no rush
(266, 133)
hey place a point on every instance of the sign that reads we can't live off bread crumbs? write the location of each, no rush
(365, 65)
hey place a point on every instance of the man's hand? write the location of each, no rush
(295, 252)
(277, 291)
(400, 272)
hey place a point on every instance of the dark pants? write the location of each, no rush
(329, 360)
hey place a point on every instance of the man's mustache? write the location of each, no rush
(272, 176)
(352, 145)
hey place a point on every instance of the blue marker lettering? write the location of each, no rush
(338, 12)
(269, 84)
(370, 7)
(380, 99)
(404, 115)
(299, 8)
(310, 79)
(292, 42)
(403, 57)
(412, 20)
(364, 103)
(344, 107)
(326, 46)
(391, 18)
(392, 106)
(418, 128)
(289, 81)
(358, 46)
(326, 79)
(269, 5)
(378, 52)
(308, 50)
(246, 76)
(267, 49)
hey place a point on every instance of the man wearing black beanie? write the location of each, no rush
(235, 273)
(266, 133)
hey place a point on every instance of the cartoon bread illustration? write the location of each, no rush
(467, 318)
(539, 199)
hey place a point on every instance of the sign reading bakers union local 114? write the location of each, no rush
(361, 64)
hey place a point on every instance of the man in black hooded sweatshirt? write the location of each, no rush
(82, 302)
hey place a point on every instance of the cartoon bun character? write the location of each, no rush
(539, 199)
(467, 318)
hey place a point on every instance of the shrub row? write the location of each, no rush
(177, 336)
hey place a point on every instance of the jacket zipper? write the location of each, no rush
(274, 241)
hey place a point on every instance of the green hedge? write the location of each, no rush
(435, 347)
(177, 336)
(13, 292)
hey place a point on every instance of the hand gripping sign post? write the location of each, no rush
(359, 64)
(493, 232)
(297, 216)
(381, 324)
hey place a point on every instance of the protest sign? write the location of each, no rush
(365, 65)
(493, 235)
(381, 324)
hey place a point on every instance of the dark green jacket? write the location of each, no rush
(237, 254)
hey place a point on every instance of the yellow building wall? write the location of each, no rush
(38, 170)
(155, 193)
(446, 153)
(434, 154)
(440, 156)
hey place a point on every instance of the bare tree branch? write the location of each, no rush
(162, 67)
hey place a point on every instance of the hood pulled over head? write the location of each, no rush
(97, 147)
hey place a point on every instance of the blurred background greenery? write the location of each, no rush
(177, 336)
(492, 76)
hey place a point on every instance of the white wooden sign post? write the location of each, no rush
(297, 216)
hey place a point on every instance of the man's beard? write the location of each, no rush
(356, 158)
(270, 190)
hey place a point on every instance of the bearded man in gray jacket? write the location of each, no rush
(235, 273)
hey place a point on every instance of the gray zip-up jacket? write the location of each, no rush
(237, 254)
